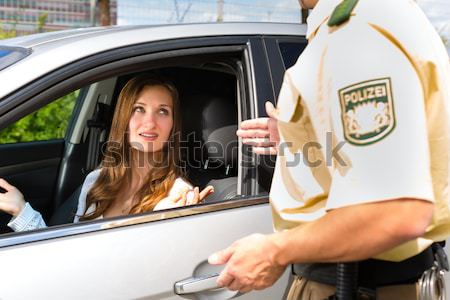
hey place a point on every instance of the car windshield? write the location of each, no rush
(11, 55)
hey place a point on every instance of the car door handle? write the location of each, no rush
(196, 284)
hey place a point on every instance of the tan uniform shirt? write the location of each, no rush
(376, 89)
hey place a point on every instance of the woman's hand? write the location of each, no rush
(11, 201)
(185, 197)
(195, 196)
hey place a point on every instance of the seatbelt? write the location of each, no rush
(96, 126)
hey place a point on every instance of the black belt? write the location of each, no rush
(372, 273)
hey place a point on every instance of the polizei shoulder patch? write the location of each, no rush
(342, 12)
(367, 111)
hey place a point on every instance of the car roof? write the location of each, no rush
(48, 51)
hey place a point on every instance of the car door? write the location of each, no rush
(139, 257)
(158, 255)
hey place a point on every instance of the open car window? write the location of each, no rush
(214, 93)
(48, 123)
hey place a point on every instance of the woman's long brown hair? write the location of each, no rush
(118, 157)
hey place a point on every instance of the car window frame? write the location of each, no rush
(276, 61)
(113, 63)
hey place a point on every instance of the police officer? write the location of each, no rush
(366, 107)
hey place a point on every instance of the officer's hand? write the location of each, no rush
(249, 264)
(261, 133)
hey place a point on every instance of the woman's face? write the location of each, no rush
(151, 120)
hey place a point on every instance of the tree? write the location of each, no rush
(219, 10)
(41, 22)
(49, 122)
(105, 16)
(180, 16)
(7, 34)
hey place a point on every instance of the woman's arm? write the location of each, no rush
(27, 219)
(24, 217)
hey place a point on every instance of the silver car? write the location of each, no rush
(57, 94)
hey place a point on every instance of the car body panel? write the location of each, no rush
(141, 261)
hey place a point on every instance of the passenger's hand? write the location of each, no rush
(195, 196)
(11, 201)
(249, 263)
(185, 197)
(261, 133)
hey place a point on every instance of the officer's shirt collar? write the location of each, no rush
(320, 14)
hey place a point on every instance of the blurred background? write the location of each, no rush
(20, 17)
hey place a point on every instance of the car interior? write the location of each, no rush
(209, 123)
(211, 93)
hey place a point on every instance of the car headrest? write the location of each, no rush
(219, 123)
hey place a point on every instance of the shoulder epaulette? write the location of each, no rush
(342, 12)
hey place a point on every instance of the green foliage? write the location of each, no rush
(49, 122)
(6, 34)
(41, 22)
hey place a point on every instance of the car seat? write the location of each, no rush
(213, 158)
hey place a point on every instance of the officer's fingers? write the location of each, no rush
(252, 133)
(245, 289)
(272, 125)
(258, 142)
(221, 257)
(5, 185)
(274, 136)
(234, 285)
(258, 123)
(271, 110)
(224, 279)
(265, 150)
